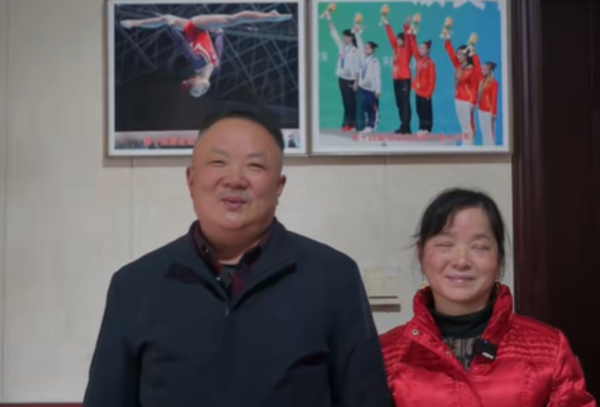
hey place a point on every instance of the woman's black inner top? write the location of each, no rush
(461, 333)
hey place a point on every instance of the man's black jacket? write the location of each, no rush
(300, 334)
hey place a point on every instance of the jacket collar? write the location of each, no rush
(422, 327)
(194, 243)
(206, 252)
(276, 256)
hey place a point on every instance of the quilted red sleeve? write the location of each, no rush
(568, 383)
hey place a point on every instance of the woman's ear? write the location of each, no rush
(500, 274)
(419, 251)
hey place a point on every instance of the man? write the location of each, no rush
(193, 38)
(238, 312)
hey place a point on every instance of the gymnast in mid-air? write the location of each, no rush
(200, 38)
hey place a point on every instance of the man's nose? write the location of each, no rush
(235, 177)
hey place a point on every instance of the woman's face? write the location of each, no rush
(423, 49)
(368, 50)
(485, 69)
(461, 54)
(461, 263)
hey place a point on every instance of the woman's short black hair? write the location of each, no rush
(492, 65)
(442, 209)
(348, 33)
(372, 44)
(467, 53)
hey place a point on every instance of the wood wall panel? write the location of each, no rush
(531, 291)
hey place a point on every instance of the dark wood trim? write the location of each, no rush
(527, 180)
(594, 38)
(385, 307)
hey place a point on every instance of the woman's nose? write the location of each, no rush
(461, 259)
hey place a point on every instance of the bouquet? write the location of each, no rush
(327, 13)
(446, 28)
(415, 23)
(385, 10)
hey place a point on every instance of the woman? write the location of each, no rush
(369, 81)
(464, 345)
(347, 70)
(424, 83)
(401, 74)
(487, 105)
(466, 81)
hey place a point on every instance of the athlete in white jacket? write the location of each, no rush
(369, 81)
(347, 69)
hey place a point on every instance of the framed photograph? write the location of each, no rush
(410, 77)
(169, 61)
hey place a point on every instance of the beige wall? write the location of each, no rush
(69, 218)
(3, 169)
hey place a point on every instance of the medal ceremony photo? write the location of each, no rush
(407, 77)
(169, 62)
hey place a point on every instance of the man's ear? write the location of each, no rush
(189, 175)
(281, 184)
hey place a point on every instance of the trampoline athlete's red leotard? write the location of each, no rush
(201, 43)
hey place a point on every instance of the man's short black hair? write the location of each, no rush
(257, 114)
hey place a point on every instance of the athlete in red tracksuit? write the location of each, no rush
(487, 104)
(424, 82)
(401, 74)
(467, 76)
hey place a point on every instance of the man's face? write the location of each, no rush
(235, 180)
